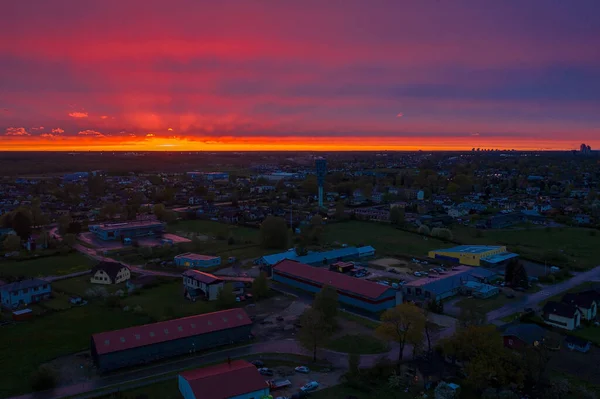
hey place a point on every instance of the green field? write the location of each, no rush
(343, 391)
(386, 239)
(561, 246)
(485, 305)
(557, 298)
(166, 301)
(215, 229)
(357, 343)
(58, 265)
(24, 346)
(369, 323)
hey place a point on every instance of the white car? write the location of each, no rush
(310, 386)
(302, 369)
(418, 274)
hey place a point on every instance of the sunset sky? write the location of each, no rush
(299, 75)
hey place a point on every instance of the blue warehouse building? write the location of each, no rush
(133, 346)
(352, 291)
(117, 231)
(319, 258)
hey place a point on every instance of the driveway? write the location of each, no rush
(531, 300)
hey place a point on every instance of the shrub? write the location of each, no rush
(43, 378)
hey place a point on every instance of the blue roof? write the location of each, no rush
(500, 257)
(316, 257)
(473, 249)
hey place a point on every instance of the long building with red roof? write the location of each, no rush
(146, 343)
(352, 291)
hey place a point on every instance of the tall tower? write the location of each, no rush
(321, 165)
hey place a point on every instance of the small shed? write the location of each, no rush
(23, 314)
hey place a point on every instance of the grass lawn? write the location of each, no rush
(484, 305)
(79, 285)
(579, 248)
(166, 301)
(26, 345)
(49, 266)
(361, 344)
(215, 229)
(591, 333)
(386, 239)
(369, 323)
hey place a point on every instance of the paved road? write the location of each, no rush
(339, 360)
(531, 300)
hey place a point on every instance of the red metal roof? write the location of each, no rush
(202, 277)
(337, 280)
(225, 380)
(148, 334)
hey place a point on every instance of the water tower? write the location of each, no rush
(321, 165)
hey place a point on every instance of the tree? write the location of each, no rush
(43, 378)
(340, 213)
(11, 243)
(326, 303)
(397, 216)
(260, 286)
(315, 331)
(43, 239)
(424, 230)
(226, 297)
(353, 364)
(159, 211)
(70, 240)
(471, 317)
(63, 224)
(404, 323)
(444, 234)
(515, 274)
(21, 224)
(274, 233)
(315, 232)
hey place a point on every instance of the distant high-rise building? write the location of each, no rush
(321, 166)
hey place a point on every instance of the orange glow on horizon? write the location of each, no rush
(266, 143)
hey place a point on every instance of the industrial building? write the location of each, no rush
(473, 255)
(197, 261)
(135, 229)
(319, 258)
(355, 292)
(133, 346)
(200, 285)
(441, 286)
(237, 379)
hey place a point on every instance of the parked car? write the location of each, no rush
(302, 369)
(310, 386)
(265, 371)
(418, 274)
(258, 363)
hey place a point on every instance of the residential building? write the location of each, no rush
(200, 285)
(437, 287)
(134, 229)
(473, 255)
(24, 292)
(137, 345)
(110, 273)
(197, 261)
(521, 336)
(562, 315)
(355, 292)
(585, 301)
(237, 379)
